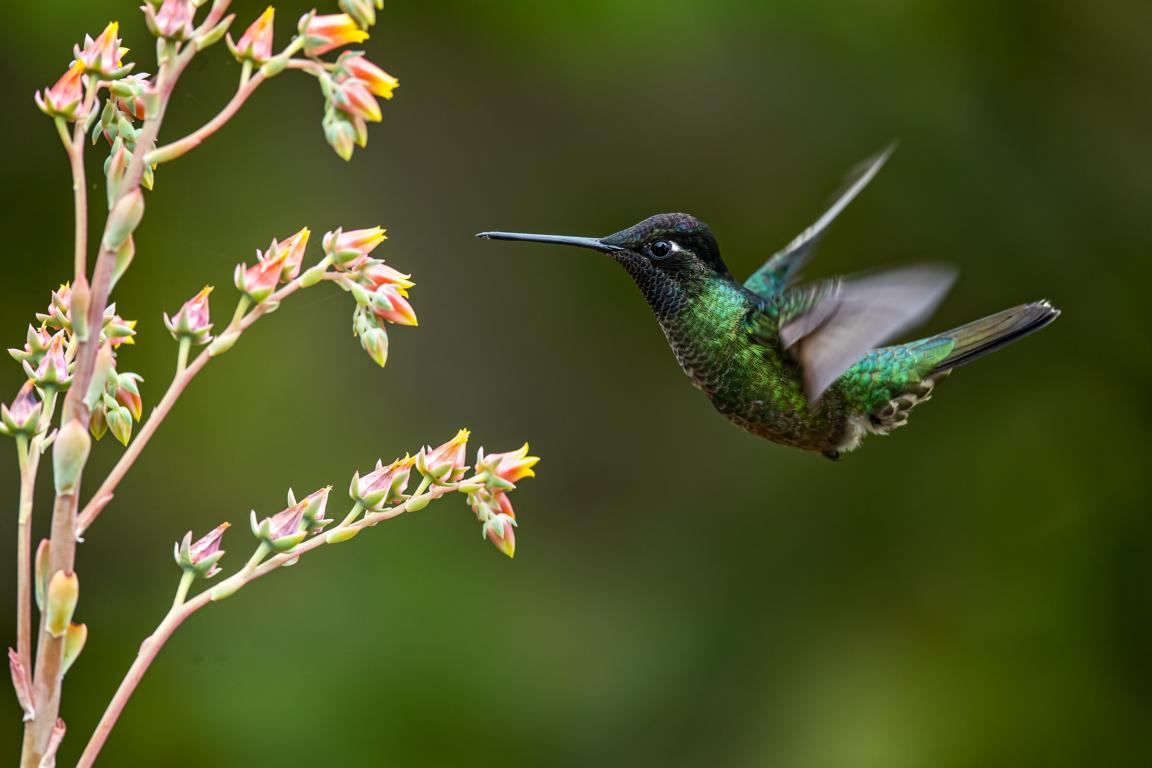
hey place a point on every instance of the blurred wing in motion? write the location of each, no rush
(830, 325)
(780, 270)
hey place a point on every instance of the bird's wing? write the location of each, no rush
(829, 325)
(780, 270)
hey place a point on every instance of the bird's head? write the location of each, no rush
(666, 254)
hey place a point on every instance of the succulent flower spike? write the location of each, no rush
(104, 56)
(200, 557)
(326, 33)
(255, 44)
(192, 321)
(354, 64)
(63, 99)
(446, 463)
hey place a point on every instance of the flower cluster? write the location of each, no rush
(376, 496)
(48, 360)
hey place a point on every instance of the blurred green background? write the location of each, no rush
(973, 591)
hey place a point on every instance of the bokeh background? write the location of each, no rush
(973, 591)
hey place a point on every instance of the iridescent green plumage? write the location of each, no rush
(799, 365)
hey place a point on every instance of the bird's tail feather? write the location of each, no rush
(981, 337)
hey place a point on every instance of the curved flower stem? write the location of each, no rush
(196, 138)
(182, 609)
(184, 375)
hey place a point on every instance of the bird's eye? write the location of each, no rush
(659, 249)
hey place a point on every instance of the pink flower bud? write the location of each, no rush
(200, 557)
(446, 463)
(389, 303)
(511, 467)
(356, 64)
(500, 529)
(354, 97)
(288, 528)
(378, 273)
(382, 486)
(326, 33)
(193, 320)
(292, 250)
(173, 20)
(345, 246)
(117, 330)
(23, 417)
(53, 370)
(127, 393)
(104, 55)
(63, 99)
(256, 42)
(259, 280)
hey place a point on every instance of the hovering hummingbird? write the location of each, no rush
(799, 365)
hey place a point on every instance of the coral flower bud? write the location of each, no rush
(356, 64)
(363, 11)
(344, 132)
(63, 99)
(104, 55)
(390, 305)
(63, 593)
(384, 485)
(501, 531)
(259, 280)
(326, 33)
(200, 557)
(293, 251)
(345, 246)
(193, 320)
(256, 43)
(23, 416)
(53, 370)
(446, 463)
(378, 273)
(354, 97)
(173, 20)
(511, 467)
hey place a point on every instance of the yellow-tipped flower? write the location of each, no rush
(292, 249)
(327, 33)
(63, 99)
(445, 464)
(103, 56)
(193, 320)
(354, 97)
(389, 303)
(173, 20)
(510, 467)
(345, 246)
(256, 42)
(356, 64)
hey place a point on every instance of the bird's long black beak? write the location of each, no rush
(580, 242)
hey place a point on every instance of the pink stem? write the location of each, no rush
(107, 489)
(196, 138)
(182, 610)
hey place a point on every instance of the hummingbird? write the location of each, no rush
(800, 365)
